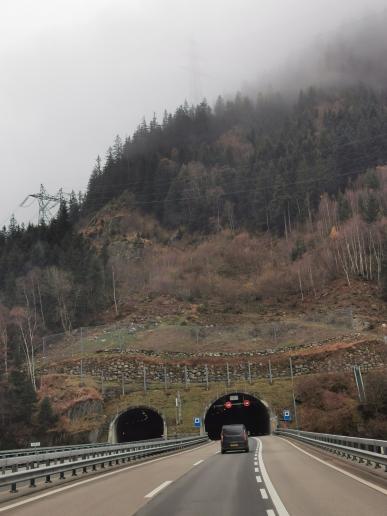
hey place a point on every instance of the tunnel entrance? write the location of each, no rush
(237, 408)
(138, 424)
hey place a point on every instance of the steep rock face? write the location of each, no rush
(83, 409)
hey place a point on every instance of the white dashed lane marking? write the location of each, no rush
(264, 494)
(259, 479)
(158, 489)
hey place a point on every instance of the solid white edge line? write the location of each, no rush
(354, 477)
(158, 489)
(264, 494)
(198, 462)
(51, 492)
(277, 502)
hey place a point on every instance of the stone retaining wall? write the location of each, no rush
(125, 366)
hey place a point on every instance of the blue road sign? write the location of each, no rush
(286, 415)
(197, 422)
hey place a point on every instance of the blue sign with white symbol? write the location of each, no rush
(197, 422)
(287, 415)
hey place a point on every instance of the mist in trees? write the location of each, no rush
(266, 162)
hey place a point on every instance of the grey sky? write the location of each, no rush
(74, 73)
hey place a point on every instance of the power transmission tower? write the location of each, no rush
(46, 203)
(195, 72)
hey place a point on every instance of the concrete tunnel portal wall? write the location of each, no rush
(137, 424)
(237, 408)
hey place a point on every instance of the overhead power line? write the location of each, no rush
(103, 197)
(336, 147)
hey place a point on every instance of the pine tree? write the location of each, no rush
(73, 208)
(344, 208)
(46, 416)
(22, 397)
(369, 207)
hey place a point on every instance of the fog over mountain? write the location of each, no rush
(354, 53)
(74, 74)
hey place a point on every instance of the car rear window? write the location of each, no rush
(233, 430)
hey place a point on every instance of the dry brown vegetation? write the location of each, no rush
(329, 403)
(65, 393)
(236, 267)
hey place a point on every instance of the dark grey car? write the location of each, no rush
(234, 437)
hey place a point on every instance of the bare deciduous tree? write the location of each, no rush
(61, 285)
(25, 319)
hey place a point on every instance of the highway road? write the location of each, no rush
(277, 478)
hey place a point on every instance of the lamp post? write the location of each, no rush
(294, 396)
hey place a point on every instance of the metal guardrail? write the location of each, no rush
(32, 467)
(23, 452)
(35, 460)
(364, 450)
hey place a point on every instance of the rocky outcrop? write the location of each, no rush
(84, 408)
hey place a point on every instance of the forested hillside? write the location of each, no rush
(260, 164)
(253, 199)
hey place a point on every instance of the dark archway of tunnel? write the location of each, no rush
(138, 424)
(255, 416)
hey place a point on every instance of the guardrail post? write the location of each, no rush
(62, 475)
(13, 488)
(32, 482)
(48, 479)
(383, 451)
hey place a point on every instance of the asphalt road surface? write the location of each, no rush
(277, 478)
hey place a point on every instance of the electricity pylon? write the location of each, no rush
(46, 203)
